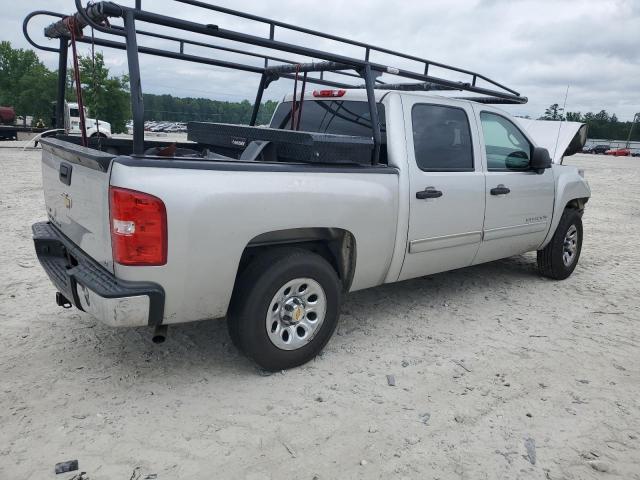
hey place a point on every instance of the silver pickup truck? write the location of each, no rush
(233, 226)
(274, 247)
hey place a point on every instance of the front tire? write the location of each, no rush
(285, 308)
(559, 258)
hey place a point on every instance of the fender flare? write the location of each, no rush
(571, 190)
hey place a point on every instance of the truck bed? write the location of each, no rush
(287, 145)
(240, 142)
(216, 208)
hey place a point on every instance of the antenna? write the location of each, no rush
(564, 109)
(636, 118)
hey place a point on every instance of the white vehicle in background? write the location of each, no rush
(94, 127)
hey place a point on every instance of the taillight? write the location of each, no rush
(329, 93)
(138, 228)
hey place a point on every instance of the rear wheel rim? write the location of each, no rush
(570, 246)
(296, 313)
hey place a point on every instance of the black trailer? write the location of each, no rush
(119, 27)
(10, 132)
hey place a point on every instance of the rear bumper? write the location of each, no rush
(91, 288)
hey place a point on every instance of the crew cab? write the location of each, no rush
(350, 187)
(274, 246)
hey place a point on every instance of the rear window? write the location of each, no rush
(338, 117)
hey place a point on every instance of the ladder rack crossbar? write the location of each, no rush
(97, 16)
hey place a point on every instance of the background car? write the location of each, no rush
(599, 149)
(619, 152)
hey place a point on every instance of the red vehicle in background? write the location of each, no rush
(619, 152)
(8, 130)
(7, 116)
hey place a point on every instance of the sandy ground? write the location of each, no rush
(500, 374)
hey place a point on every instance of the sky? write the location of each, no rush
(536, 47)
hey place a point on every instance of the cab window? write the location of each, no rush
(338, 117)
(331, 116)
(441, 138)
(507, 148)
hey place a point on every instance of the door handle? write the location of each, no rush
(428, 192)
(500, 190)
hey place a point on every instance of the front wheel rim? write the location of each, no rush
(570, 246)
(296, 313)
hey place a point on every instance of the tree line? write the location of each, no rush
(176, 109)
(601, 124)
(25, 83)
(30, 87)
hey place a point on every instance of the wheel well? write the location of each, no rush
(98, 134)
(335, 245)
(577, 204)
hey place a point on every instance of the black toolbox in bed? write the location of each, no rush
(290, 146)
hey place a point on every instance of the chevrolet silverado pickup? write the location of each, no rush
(270, 227)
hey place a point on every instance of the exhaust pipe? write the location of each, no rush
(159, 334)
(62, 301)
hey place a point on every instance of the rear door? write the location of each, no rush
(519, 201)
(447, 186)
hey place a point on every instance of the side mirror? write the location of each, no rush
(540, 160)
(518, 161)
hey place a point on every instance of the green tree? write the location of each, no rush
(600, 125)
(106, 97)
(169, 108)
(554, 112)
(601, 116)
(574, 117)
(25, 83)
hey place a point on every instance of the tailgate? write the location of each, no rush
(75, 180)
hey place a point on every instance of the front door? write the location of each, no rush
(519, 201)
(447, 187)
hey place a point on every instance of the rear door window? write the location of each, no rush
(441, 138)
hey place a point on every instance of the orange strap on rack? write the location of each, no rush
(294, 104)
(77, 33)
(304, 86)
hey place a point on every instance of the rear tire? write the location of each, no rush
(559, 258)
(274, 288)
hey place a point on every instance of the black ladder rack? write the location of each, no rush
(97, 16)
